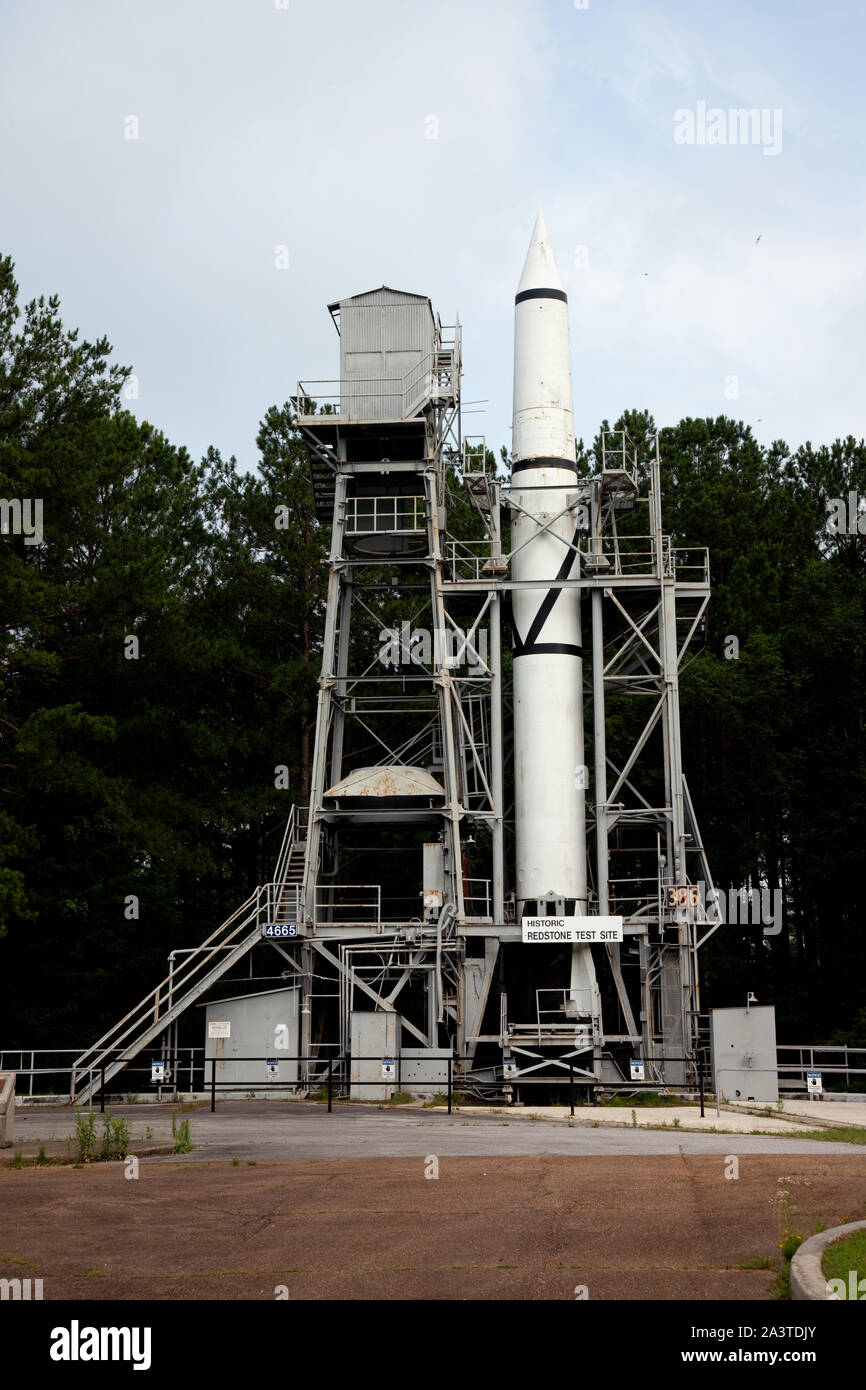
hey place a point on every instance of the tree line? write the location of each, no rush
(159, 656)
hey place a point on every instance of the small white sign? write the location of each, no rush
(578, 931)
(219, 1030)
(157, 1071)
(814, 1083)
(389, 1069)
(273, 1069)
(637, 1071)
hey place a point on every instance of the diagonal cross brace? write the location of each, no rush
(349, 973)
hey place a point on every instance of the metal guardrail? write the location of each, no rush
(295, 833)
(326, 913)
(184, 1059)
(191, 1060)
(479, 896)
(394, 515)
(279, 903)
(328, 1081)
(688, 564)
(843, 1068)
(432, 377)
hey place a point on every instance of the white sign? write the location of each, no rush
(637, 1071)
(219, 1030)
(157, 1071)
(814, 1083)
(389, 1068)
(579, 931)
(509, 1068)
(273, 1069)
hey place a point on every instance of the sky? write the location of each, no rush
(197, 181)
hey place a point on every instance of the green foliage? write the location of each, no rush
(85, 1135)
(653, 1099)
(180, 1134)
(115, 1138)
(835, 1134)
(843, 1256)
(790, 1243)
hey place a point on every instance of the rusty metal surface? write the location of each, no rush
(387, 781)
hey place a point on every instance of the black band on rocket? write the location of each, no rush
(542, 648)
(541, 294)
(543, 463)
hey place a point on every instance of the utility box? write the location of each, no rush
(745, 1065)
(262, 1026)
(433, 880)
(375, 1039)
(424, 1071)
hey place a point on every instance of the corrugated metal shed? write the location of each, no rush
(253, 1021)
(387, 340)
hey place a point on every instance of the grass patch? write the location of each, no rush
(401, 1098)
(180, 1134)
(756, 1262)
(843, 1256)
(441, 1098)
(648, 1098)
(839, 1134)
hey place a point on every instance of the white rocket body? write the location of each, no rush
(548, 669)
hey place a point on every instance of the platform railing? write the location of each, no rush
(385, 515)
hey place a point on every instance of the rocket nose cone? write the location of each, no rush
(540, 271)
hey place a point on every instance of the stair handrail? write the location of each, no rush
(178, 980)
(295, 833)
(286, 846)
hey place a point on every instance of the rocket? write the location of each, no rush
(549, 764)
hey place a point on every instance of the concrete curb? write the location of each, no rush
(7, 1109)
(807, 1279)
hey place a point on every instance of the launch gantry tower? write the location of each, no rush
(406, 904)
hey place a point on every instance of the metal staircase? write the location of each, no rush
(322, 477)
(278, 901)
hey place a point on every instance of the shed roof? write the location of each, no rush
(385, 294)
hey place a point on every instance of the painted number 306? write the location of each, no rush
(687, 896)
(280, 929)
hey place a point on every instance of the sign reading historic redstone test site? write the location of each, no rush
(580, 931)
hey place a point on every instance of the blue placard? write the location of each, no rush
(279, 929)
